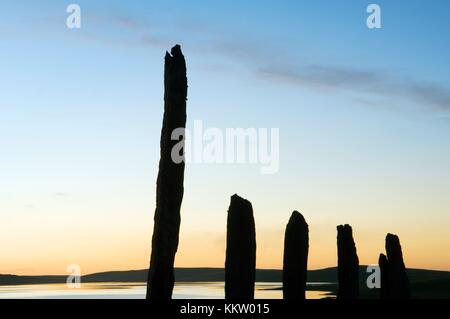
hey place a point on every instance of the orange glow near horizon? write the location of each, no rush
(114, 251)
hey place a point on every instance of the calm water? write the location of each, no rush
(192, 290)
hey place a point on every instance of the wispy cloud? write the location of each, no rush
(322, 76)
(274, 64)
(319, 77)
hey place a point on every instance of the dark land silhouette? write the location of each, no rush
(348, 264)
(240, 262)
(169, 193)
(394, 279)
(295, 259)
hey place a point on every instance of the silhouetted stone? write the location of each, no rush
(397, 282)
(169, 193)
(240, 260)
(348, 264)
(295, 260)
(383, 264)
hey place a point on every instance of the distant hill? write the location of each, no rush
(10, 280)
(425, 283)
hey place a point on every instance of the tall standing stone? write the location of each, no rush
(295, 260)
(240, 260)
(348, 264)
(397, 284)
(169, 192)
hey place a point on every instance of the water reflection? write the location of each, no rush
(186, 290)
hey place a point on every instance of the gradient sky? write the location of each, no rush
(364, 118)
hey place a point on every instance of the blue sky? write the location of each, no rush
(364, 118)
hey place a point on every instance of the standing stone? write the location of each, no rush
(348, 264)
(295, 261)
(398, 286)
(240, 260)
(383, 264)
(169, 186)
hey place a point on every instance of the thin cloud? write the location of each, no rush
(433, 94)
(264, 61)
(318, 77)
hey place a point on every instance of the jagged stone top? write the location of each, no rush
(175, 52)
(392, 239)
(175, 78)
(239, 203)
(393, 247)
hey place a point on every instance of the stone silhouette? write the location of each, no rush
(295, 260)
(240, 260)
(394, 279)
(383, 264)
(348, 264)
(169, 193)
